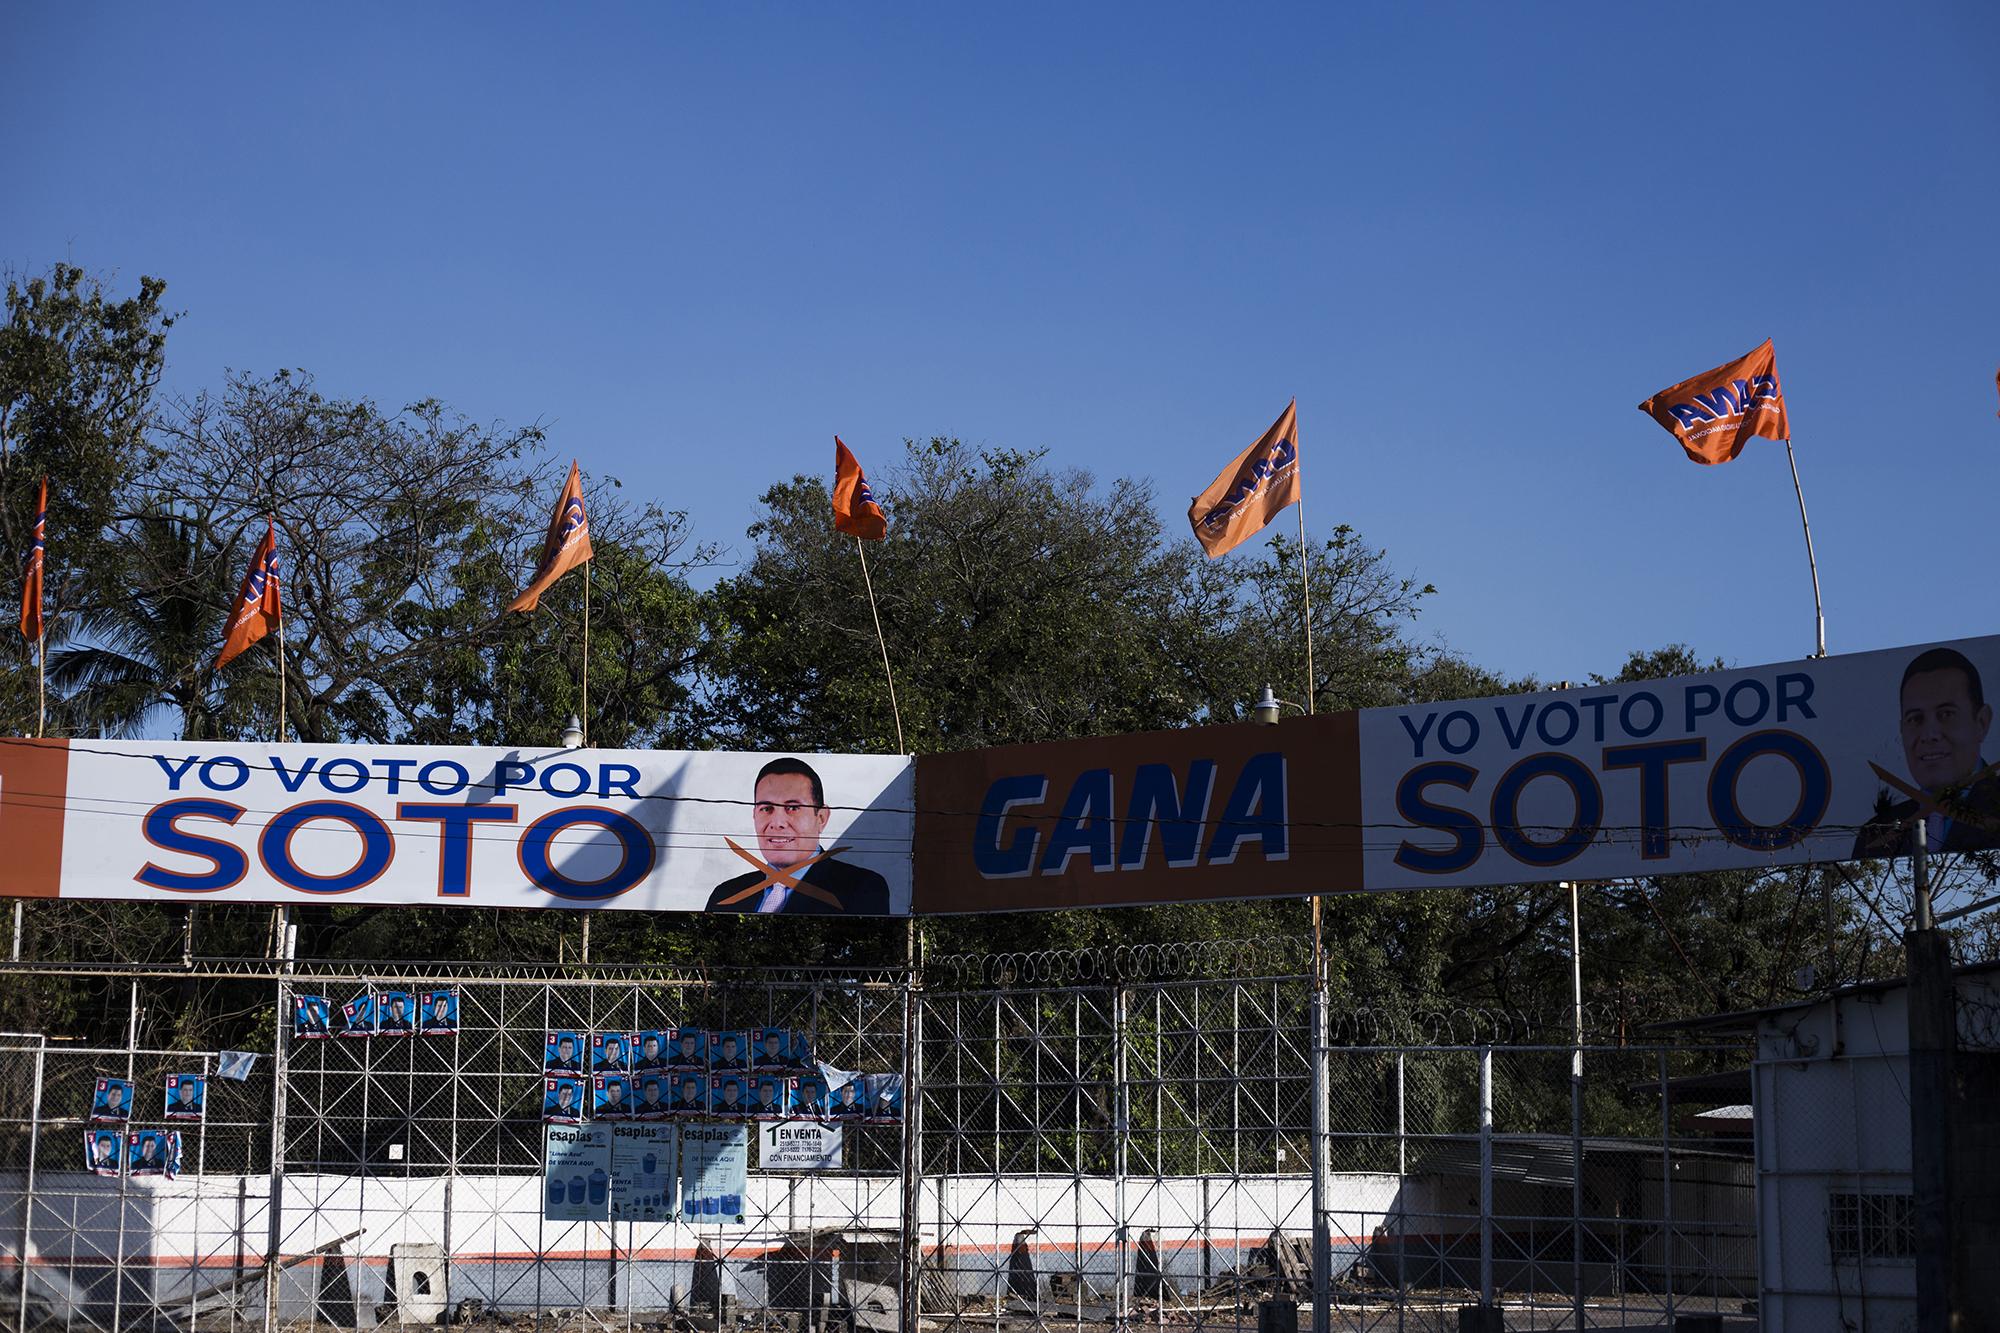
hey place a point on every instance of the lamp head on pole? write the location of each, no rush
(572, 732)
(1265, 711)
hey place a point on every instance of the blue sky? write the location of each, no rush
(698, 241)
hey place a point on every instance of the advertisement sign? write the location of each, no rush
(1819, 760)
(638, 830)
(799, 1145)
(1235, 811)
(715, 1174)
(643, 1173)
(576, 1180)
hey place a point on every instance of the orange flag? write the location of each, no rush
(568, 544)
(854, 509)
(1716, 413)
(258, 606)
(31, 580)
(1248, 495)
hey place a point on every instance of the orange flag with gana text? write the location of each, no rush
(854, 509)
(259, 605)
(31, 578)
(1251, 491)
(567, 545)
(1717, 412)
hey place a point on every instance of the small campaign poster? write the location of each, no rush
(395, 1016)
(103, 1151)
(728, 1052)
(654, 1099)
(845, 1102)
(610, 1052)
(642, 1173)
(187, 1096)
(882, 1094)
(649, 1051)
(153, 1152)
(799, 1145)
(312, 1017)
(690, 1094)
(562, 1100)
(715, 1174)
(111, 1103)
(562, 1053)
(440, 1013)
(687, 1048)
(769, 1096)
(576, 1180)
(358, 1016)
(806, 1095)
(730, 1096)
(770, 1049)
(611, 1097)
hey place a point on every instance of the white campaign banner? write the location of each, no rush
(637, 830)
(1819, 760)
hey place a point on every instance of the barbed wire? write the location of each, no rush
(1978, 1023)
(1256, 956)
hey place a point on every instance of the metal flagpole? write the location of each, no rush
(1305, 578)
(862, 550)
(583, 719)
(281, 671)
(41, 681)
(1819, 612)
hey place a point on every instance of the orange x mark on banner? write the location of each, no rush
(791, 879)
(1928, 804)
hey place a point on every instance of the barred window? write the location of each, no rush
(1871, 1226)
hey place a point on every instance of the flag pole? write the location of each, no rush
(41, 682)
(281, 669)
(583, 719)
(1305, 582)
(1819, 612)
(861, 549)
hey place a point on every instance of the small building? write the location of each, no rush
(1831, 1124)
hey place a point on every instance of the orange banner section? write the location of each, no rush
(34, 789)
(1235, 811)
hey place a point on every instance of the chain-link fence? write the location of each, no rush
(1163, 1138)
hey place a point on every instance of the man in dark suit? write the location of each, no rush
(789, 815)
(1945, 719)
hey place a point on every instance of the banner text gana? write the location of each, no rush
(1629, 733)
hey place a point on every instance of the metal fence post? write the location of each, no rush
(28, 1192)
(1486, 1175)
(1667, 1183)
(1322, 1131)
(274, 1237)
(1121, 1127)
(910, 1314)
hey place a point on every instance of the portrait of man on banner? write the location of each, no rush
(102, 1151)
(440, 1013)
(562, 1053)
(396, 1018)
(358, 1015)
(792, 871)
(111, 1101)
(653, 1103)
(312, 1017)
(649, 1051)
(562, 1100)
(612, 1097)
(1944, 723)
(690, 1094)
(187, 1096)
(610, 1052)
(731, 1095)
